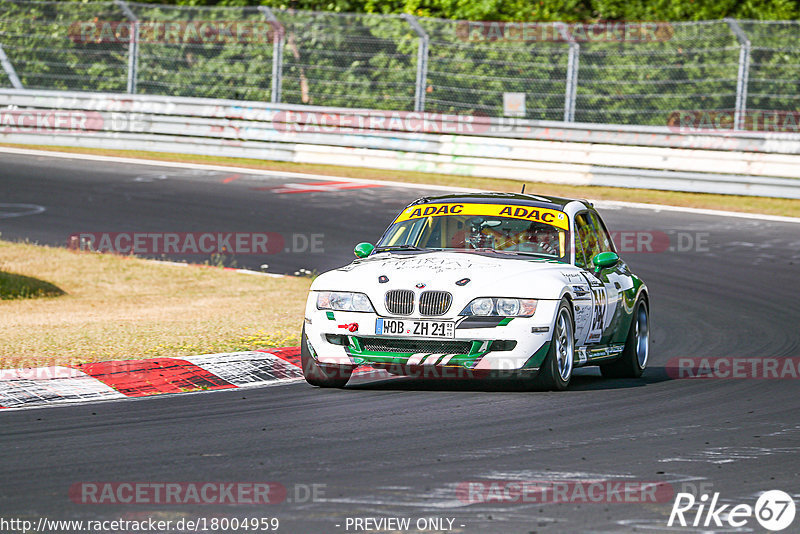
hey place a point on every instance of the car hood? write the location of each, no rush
(488, 274)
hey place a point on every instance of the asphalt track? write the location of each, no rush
(400, 448)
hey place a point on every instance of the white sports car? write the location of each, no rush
(481, 284)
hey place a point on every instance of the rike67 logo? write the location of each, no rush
(774, 511)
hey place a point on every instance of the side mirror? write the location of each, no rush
(363, 250)
(604, 260)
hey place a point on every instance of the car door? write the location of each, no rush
(619, 281)
(592, 238)
(589, 314)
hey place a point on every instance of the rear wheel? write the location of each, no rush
(634, 356)
(556, 370)
(321, 375)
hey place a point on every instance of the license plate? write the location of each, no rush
(414, 328)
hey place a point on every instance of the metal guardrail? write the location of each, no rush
(773, 142)
(744, 163)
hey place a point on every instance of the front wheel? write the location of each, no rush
(633, 359)
(321, 375)
(556, 370)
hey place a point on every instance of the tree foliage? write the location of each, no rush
(538, 11)
(361, 53)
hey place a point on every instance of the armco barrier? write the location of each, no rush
(742, 163)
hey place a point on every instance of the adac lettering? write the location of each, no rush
(523, 213)
(542, 215)
(444, 209)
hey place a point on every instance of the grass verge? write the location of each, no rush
(117, 307)
(772, 206)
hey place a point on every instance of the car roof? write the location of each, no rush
(522, 199)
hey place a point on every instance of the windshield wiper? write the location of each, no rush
(528, 253)
(513, 252)
(490, 249)
(398, 247)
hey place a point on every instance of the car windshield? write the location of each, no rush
(461, 227)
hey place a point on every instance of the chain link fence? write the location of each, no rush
(639, 74)
(774, 67)
(692, 67)
(174, 58)
(471, 67)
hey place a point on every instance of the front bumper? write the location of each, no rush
(349, 338)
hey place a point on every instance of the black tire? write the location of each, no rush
(633, 359)
(556, 370)
(320, 375)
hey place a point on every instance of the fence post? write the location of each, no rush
(9, 68)
(133, 45)
(742, 76)
(422, 62)
(571, 89)
(571, 92)
(277, 53)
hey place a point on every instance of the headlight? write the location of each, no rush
(501, 307)
(481, 307)
(507, 306)
(344, 301)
